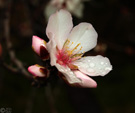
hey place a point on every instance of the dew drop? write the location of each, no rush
(80, 63)
(92, 64)
(88, 60)
(102, 63)
(92, 58)
(86, 66)
(108, 68)
(71, 73)
(103, 73)
(90, 70)
(61, 70)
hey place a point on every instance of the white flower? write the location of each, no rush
(66, 47)
(73, 6)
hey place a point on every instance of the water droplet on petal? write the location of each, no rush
(61, 70)
(71, 73)
(68, 69)
(90, 70)
(102, 63)
(86, 66)
(108, 68)
(106, 63)
(92, 64)
(88, 60)
(103, 73)
(80, 63)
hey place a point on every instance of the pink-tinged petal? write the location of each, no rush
(59, 27)
(87, 82)
(51, 47)
(36, 43)
(38, 71)
(39, 46)
(69, 76)
(94, 65)
(83, 38)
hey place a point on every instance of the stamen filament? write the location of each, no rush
(66, 56)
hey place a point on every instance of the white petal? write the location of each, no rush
(87, 82)
(51, 47)
(49, 9)
(71, 4)
(94, 65)
(59, 26)
(85, 35)
(75, 7)
(69, 75)
(79, 10)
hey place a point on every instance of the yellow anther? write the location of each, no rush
(81, 48)
(70, 44)
(77, 55)
(67, 42)
(75, 47)
(66, 45)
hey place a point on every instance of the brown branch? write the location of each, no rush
(11, 52)
(10, 68)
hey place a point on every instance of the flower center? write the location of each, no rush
(63, 58)
(66, 56)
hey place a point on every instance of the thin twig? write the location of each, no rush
(10, 68)
(11, 52)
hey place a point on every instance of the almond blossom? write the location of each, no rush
(66, 47)
(74, 6)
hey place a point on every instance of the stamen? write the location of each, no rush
(76, 56)
(66, 43)
(75, 47)
(66, 56)
(71, 44)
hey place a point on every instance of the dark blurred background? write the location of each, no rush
(114, 21)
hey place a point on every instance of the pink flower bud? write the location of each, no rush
(39, 47)
(38, 71)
